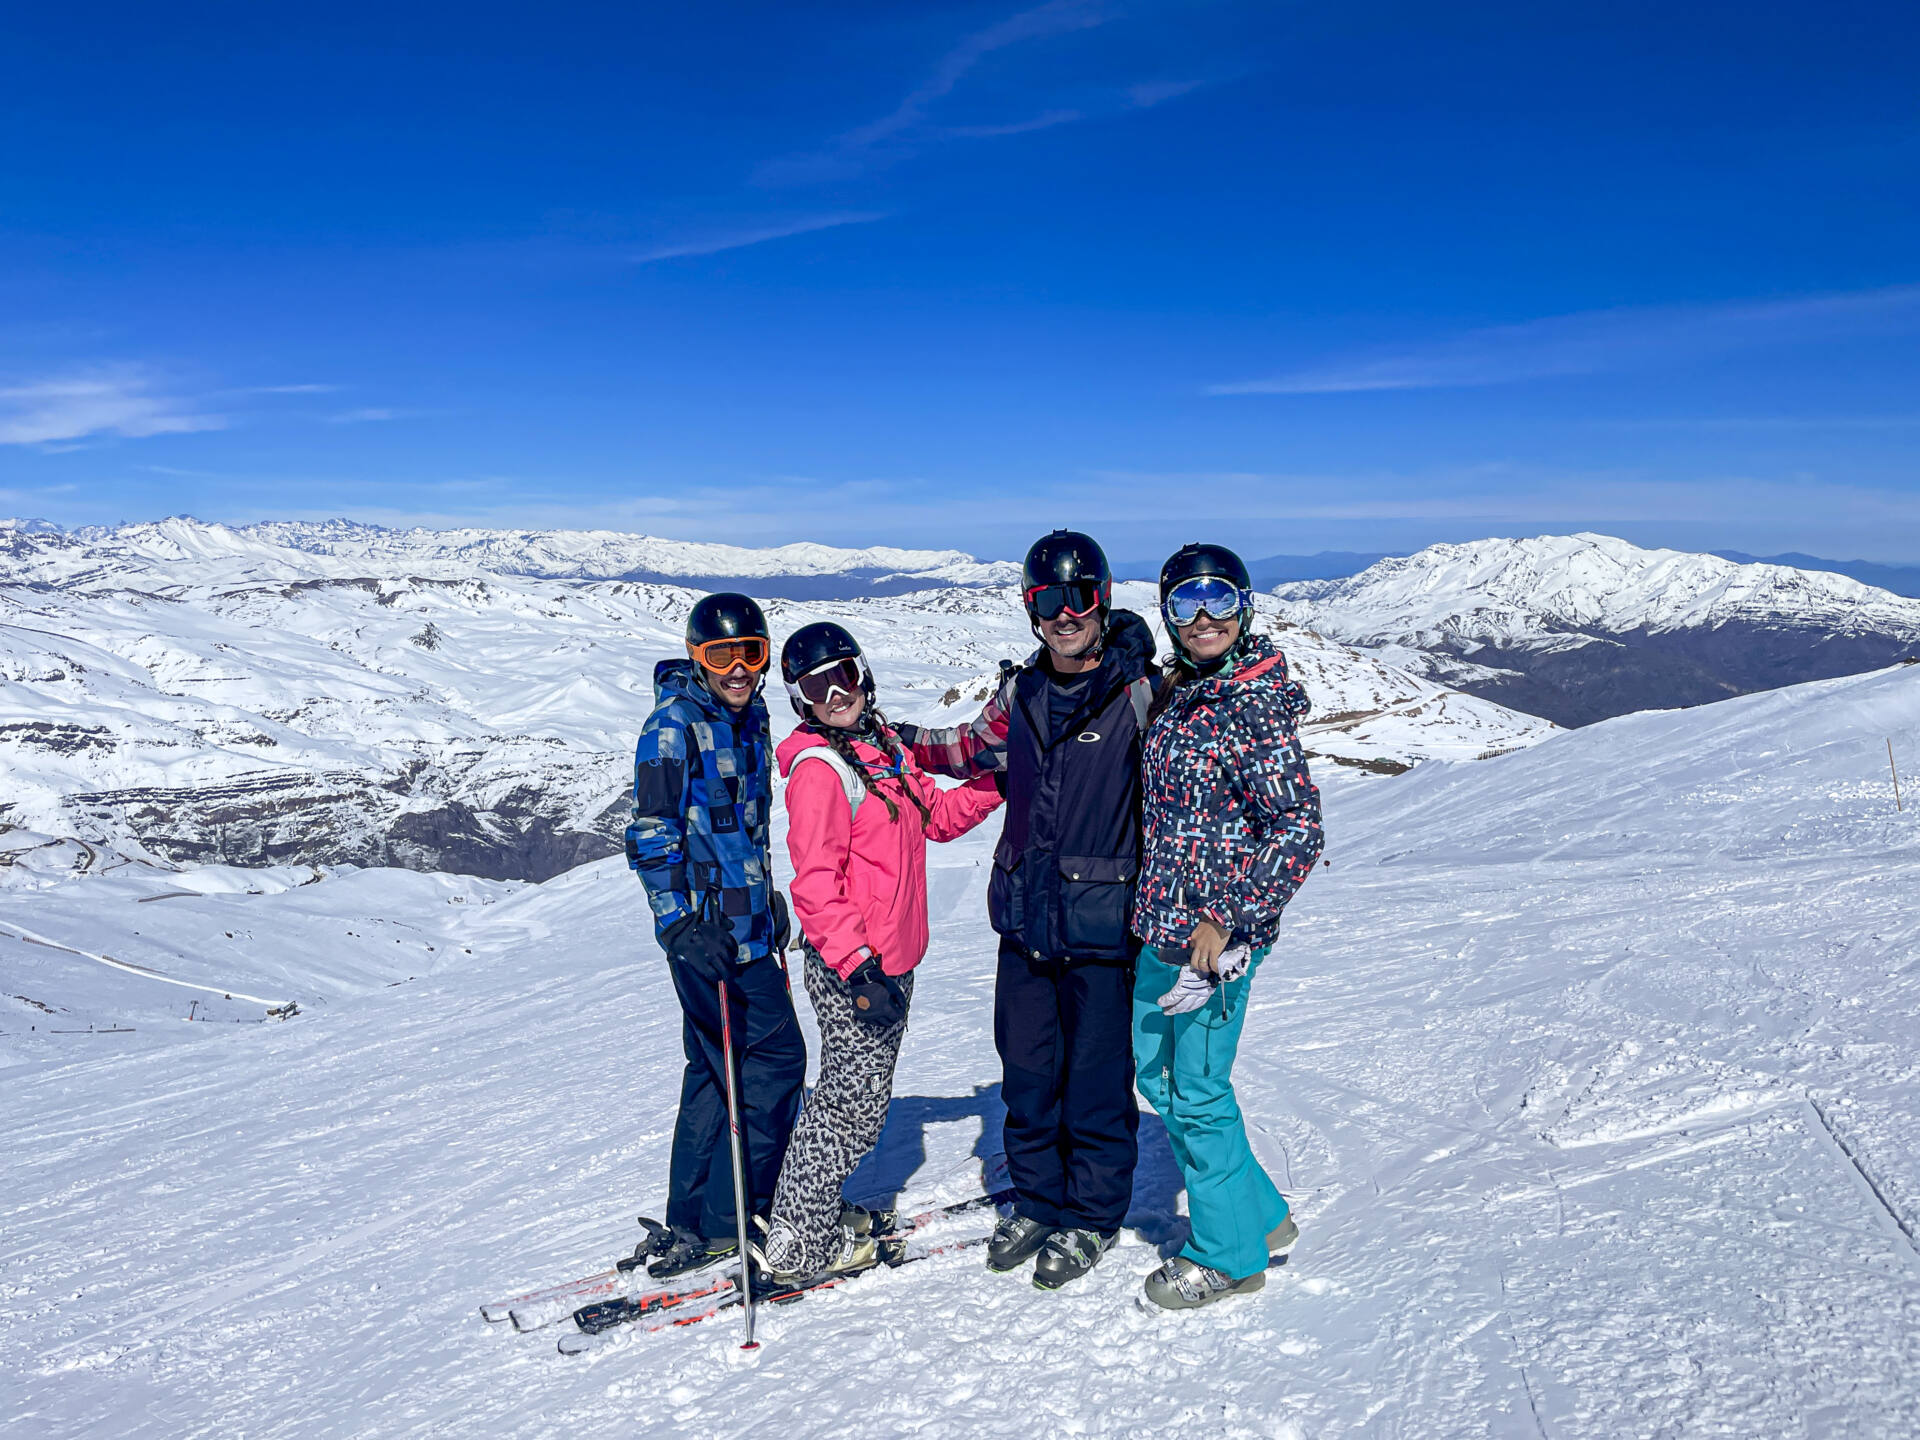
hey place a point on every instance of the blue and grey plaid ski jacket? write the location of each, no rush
(702, 794)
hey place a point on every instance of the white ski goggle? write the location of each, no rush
(846, 676)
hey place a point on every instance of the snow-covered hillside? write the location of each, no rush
(476, 722)
(1590, 1070)
(1578, 627)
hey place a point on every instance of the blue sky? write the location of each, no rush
(1357, 276)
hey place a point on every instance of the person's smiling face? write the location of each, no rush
(1071, 636)
(735, 688)
(1207, 638)
(842, 709)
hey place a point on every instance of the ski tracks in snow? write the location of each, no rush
(1609, 1147)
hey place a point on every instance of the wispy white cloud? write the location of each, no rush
(1765, 422)
(909, 124)
(179, 473)
(373, 414)
(1600, 340)
(123, 400)
(739, 237)
(1158, 92)
(1014, 127)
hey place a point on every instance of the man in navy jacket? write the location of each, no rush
(1064, 732)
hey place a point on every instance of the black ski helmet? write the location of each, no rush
(812, 646)
(1061, 558)
(1191, 560)
(725, 616)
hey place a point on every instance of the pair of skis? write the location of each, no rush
(538, 1309)
(615, 1306)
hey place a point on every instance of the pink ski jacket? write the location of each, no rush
(861, 879)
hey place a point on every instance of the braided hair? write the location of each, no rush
(874, 729)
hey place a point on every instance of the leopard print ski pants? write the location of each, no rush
(839, 1123)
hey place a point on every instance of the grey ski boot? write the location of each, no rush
(1183, 1284)
(1016, 1240)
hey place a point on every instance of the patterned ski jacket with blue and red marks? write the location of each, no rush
(1232, 824)
(702, 794)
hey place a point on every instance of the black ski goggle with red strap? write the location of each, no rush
(1071, 597)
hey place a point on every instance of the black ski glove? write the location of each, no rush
(878, 999)
(705, 947)
(782, 924)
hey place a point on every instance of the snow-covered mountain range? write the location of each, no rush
(34, 553)
(1580, 627)
(203, 694)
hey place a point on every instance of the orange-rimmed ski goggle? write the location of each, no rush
(720, 656)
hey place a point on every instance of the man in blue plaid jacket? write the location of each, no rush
(702, 793)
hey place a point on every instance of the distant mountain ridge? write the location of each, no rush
(1578, 628)
(1900, 579)
(190, 550)
(1274, 570)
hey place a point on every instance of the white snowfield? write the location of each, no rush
(1591, 1071)
(1558, 591)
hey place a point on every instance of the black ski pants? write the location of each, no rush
(1065, 1036)
(771, 1059)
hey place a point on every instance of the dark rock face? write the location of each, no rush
(347, 819)
(1642, 670)
(495, 847)
(59, 738)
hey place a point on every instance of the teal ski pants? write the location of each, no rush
(1184, 1067)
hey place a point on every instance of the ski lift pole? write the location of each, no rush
(739, 1168)
(1896, 775)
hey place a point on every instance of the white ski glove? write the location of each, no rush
(1192, 989)
(1233, 962)
(1190, 992)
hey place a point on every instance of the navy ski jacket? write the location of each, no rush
(1063, 873)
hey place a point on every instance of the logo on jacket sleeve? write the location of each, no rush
(1087, 737)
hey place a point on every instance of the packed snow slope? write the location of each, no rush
(1591, 1071)
(1581, 627)
(470, 722)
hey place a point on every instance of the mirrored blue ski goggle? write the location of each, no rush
(1216, 595)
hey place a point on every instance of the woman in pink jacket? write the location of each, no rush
(859, 815)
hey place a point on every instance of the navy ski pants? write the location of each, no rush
(771, 1059)
(1065, 1037)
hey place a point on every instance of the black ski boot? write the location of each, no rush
(1015, 1241)
(1068, 1255)
(689, 1253)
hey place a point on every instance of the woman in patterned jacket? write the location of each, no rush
(1232, 828)
(858, 824)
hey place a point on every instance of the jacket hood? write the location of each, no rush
(788, 750)
(677, 680)
(1128, 638)
(1260, 666)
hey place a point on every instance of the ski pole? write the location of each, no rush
(739, 1169)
